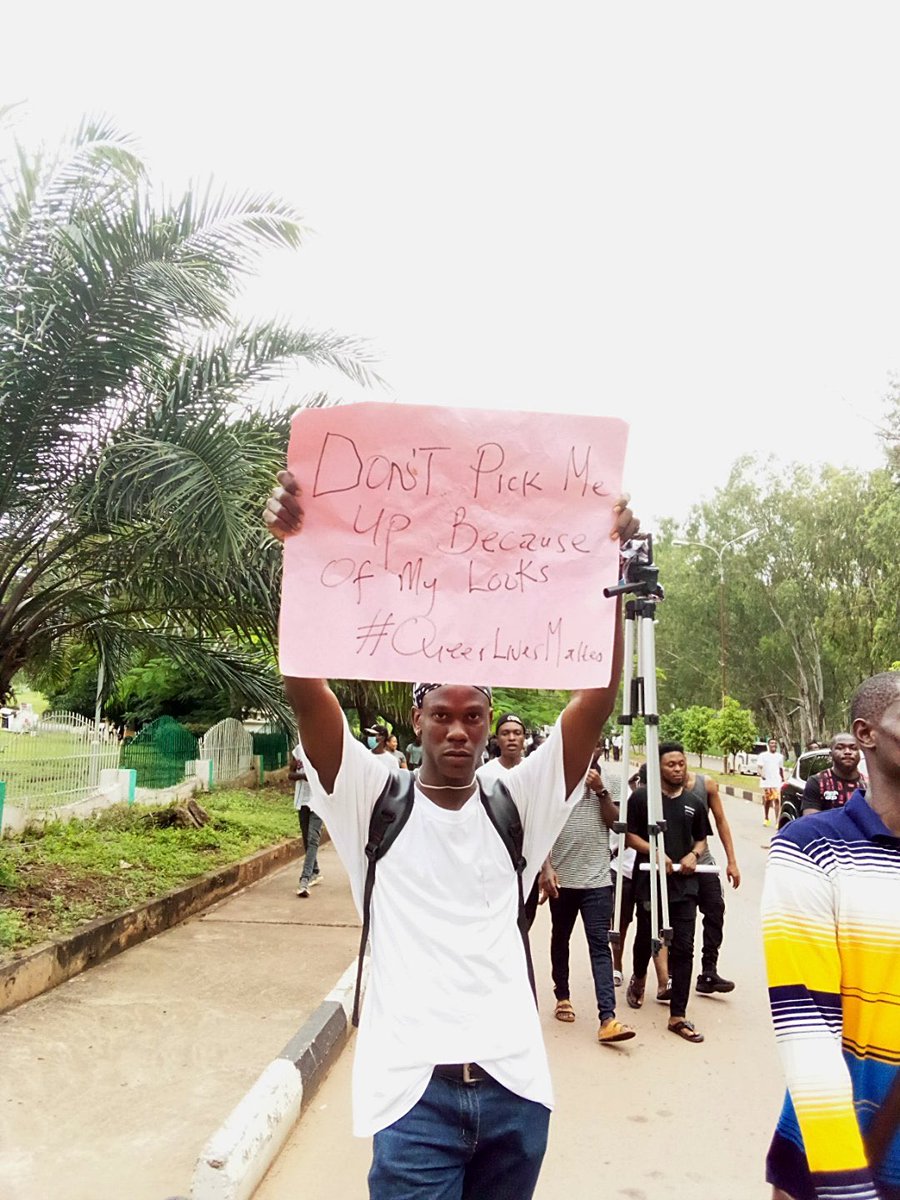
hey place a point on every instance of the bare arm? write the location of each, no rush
(319, 716)
(608, 810)
(587, 712)
(723, 829)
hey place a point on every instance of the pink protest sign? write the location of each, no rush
(452, 544)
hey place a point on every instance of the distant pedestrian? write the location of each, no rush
(623, 860)
(576, 879)
(310, 826)
(510, 737)
(685, 841)
(392, 748)
(710, 893)
(770, 768)
(617, 744)
(378, 743)
(414, 754)
(834, 786)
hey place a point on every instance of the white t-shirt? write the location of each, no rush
(769, 766)
(448, 981)
(492, 770)
(388, 758)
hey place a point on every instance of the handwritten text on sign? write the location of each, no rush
(452, 544)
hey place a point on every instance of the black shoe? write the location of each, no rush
(708, 984)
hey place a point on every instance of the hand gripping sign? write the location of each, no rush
(452, 544)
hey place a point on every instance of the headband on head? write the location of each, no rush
(421, 690)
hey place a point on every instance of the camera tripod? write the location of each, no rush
(640, 581)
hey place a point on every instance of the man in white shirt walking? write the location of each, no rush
(770, 768)
(451, 1074)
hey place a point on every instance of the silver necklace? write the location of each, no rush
(450, 787)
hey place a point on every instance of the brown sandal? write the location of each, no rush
(634, 993)
(564, 1011)
(685, 1029)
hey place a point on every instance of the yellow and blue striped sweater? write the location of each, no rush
(831, 927)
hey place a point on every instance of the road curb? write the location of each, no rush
(45, 967)
(237, 1156)
(741, 793)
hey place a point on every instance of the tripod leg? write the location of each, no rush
(621, 826)
(661, 932)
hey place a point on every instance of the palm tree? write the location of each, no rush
(132, 465)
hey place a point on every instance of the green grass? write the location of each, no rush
(54, 879)
(37, 700)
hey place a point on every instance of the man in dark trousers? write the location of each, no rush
(685, 841)
(710, 894)
(834, 786)
(576, 878)
(451, 1073)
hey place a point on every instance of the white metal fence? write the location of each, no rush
(55, 761)
(230, 747)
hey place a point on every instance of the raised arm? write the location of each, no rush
(319, 716)
(587, 712)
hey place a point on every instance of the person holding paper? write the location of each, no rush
(450, 1076)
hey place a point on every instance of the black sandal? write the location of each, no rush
(684, 1029)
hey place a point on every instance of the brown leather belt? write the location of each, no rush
(461, 1072)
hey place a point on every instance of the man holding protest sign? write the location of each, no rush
(450, 1075)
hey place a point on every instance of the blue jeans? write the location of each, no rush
(310, 831)
(461, 1142)
(596, 908)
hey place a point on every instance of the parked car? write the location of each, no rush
(810, 762)
(745, 761)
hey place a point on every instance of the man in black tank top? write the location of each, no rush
(710, 897)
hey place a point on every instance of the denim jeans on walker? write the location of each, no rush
(461, 1142)
(310, 831)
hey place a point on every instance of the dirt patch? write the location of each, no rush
(48, 888)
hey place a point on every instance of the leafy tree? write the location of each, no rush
(811, 599)
(732, 728)
(132, 463)
(697, 730)
(534, 706)
(671, 725)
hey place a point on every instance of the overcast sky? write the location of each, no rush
(681, 214)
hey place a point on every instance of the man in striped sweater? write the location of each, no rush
(831, 926)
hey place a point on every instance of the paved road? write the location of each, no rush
(111, 1084)
(654, 1119)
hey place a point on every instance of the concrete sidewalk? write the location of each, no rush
(112, 1083)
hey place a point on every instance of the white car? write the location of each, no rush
(745, 760)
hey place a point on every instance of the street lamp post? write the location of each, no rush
(719, 552)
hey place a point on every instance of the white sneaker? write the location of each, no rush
(303, 891)
(315, 879)
(618, 978)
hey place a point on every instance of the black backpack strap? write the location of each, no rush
(390, 814)
(504, 816)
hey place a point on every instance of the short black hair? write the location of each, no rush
(670, 748)
(848, 736)
(874, 697)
